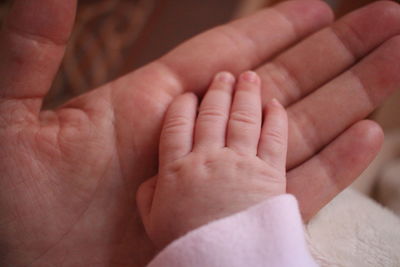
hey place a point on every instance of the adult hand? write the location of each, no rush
(69, 176)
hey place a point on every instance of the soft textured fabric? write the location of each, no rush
(354, 231)
(269, 234)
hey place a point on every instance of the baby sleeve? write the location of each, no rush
(268, 234)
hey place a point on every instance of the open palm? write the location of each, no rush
(69, 176)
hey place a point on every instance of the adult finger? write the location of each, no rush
(214, 113)
(177, 132)
(321, 116)
(327, 53)
(335, 167)
(32, 44)
(242, 44)
(244, 124)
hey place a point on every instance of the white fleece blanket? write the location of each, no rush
(354, 230)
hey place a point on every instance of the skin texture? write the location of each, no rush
(69, 176)
(220, 163)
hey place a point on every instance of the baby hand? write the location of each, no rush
(221, 163)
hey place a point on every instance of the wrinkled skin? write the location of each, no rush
(215, 164)
(69, 176)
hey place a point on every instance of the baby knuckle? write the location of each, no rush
(211, 112)
(275, 137)
(176, 122)
(245, 117)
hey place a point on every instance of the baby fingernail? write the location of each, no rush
(274, 101)
(225, 77)
(250, 76)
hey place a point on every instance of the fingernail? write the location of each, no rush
(275, 102)
(250, 76)
(225, 77)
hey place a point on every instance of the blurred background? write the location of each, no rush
(114, 37)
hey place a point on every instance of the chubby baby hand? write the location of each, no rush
(224, 160)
